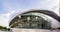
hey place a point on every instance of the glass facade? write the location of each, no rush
(30, 20)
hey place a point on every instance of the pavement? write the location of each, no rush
(32, 30)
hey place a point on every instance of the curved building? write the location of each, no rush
(35, 19)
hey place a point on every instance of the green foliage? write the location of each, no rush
(3, 28)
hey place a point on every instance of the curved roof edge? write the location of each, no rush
(47, 12)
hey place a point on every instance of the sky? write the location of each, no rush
(9, 8)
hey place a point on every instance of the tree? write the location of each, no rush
(3, 28)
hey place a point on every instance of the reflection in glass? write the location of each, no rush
(31, 20)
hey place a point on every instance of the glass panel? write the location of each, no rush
(31, 20)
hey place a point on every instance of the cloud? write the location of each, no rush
(14, 6)
(4, 18)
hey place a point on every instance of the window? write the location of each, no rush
(31, 20)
